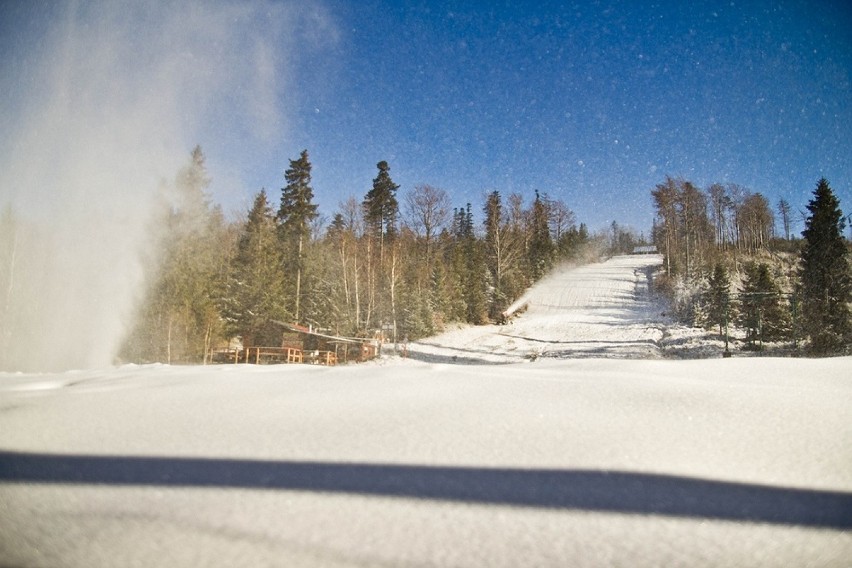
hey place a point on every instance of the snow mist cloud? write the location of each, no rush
(104, 107)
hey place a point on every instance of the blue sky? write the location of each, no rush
(590, 102)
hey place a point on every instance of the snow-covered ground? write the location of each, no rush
(598, 310)
(593, 460)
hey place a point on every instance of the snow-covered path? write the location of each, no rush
(597, 310)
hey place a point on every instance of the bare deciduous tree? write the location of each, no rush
(784, 210)
(427, 210)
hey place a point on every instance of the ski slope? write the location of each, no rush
(598, 310)
(598, 460)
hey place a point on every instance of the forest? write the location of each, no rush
(403, 265)
(726, 265)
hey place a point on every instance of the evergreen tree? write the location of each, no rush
(541, 244)
(381, 211)
(469, 272)
(719, 298)
(762, 314)
(381, 208)
(255, 286)
(296, 213)
(180, 318)
(824, 273)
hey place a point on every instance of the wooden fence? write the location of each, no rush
(262, 355)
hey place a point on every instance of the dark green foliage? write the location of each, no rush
(416, 314)
(381, 207)
(825, 278)
(180, 319)
(256, 283)
(541, 245)
(718, 298)
(367, 271)
(571, 243)
(468, 266)
(380, 211)
(622, 239)
(763, 313)
(297, 209)
(295, 215)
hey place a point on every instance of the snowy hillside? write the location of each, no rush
(501, 461)
(597, 310)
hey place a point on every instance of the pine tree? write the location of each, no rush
(824, 273)
(296, 213)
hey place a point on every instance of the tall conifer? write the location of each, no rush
(824, 272)
(296, 213)
(381, 208)
(255, 287)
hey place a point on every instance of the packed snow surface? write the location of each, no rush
(553, 460)
(598, 310)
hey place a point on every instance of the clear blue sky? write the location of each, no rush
(590, 102)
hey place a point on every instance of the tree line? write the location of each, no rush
(403, 264)
(711, 238)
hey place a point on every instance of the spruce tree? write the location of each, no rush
(824, 271)
(296, 213)
(179, 319)
(541, 244)
(762, 314)
(381, 208)
(719, 298)
(255, 286)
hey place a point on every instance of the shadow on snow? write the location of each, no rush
(584, 490)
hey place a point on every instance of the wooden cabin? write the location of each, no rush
(301, 344)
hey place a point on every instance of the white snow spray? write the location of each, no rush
(104, 106)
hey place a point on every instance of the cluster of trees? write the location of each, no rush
(692, 226)
(376, 265)
(705, 235)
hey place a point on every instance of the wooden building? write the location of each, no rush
(301, 344)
